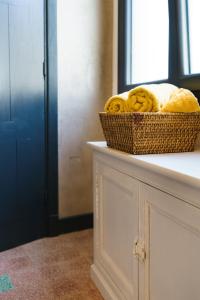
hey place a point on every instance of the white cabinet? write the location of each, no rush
(146, 241)
(171, 232)
(116, 228)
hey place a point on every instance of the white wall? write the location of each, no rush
(84, 83)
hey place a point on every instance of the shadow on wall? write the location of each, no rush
(85, 39)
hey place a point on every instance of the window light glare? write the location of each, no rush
(150, 40)
(194, 41)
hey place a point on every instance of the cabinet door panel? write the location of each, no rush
(172, 238)
(117, 215)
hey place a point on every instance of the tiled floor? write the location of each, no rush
(51, 269)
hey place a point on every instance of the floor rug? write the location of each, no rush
(5, 283)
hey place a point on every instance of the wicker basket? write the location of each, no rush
(145, 133)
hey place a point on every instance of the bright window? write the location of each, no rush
(150, 41)
(193, 23)
(159, 41)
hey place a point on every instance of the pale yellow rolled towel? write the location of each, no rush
(181, 100)
(149, 97)
(117, 103)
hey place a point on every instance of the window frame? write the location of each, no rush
(176, 75)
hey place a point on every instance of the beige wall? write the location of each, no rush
(84, 83)
(115, 48)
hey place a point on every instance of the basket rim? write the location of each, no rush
(150, 113)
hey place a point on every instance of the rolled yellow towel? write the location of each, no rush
(181, 100)
(149, 98)
(117, 103)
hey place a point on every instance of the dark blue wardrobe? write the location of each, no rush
(22, 122)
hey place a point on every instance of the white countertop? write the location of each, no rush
(180, 166)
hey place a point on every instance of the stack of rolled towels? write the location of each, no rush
(164, 97)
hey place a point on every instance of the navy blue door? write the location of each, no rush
(22, 122)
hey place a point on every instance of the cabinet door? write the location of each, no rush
(116, 228)
(171, 230)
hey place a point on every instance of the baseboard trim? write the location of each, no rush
(105, 285)
(70, 224)
(75, 223)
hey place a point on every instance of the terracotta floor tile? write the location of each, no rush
(55, 268)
